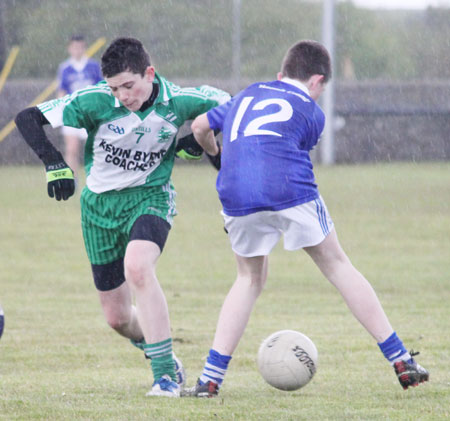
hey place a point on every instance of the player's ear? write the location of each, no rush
(316, 80)
(150, 74)
(279, 76)
(316, 86)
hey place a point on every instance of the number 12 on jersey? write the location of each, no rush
(253, 127)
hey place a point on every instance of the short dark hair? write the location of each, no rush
(307, 58)
(77, 38)
(125, 55)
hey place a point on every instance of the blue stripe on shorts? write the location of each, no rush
(321, 213)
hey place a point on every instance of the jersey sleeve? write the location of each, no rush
(192, 102)
(216, 116)
(76, 114)
(317, 126)
(53, 111)
(65, 111)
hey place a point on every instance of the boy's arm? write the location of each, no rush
(204, 135)
(192, 102)
(60, 179)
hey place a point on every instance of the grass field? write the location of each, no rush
(60, 361)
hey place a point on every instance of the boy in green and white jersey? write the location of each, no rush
(130, 148)
(127, 206)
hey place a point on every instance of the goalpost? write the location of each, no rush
(327, 155)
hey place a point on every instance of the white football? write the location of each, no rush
(287, 360)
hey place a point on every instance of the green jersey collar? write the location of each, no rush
(165, 93)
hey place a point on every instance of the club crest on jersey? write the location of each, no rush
(164, 135)
(116, 129)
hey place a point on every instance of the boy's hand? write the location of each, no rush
(215, 159)
(60, 181)
(188, 148)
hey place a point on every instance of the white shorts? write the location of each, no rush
(73, 131)
(257, 234)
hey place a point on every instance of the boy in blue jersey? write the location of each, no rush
(77, 72)
(267, 188)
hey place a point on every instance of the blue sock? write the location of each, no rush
(215, 367)
(394, 350)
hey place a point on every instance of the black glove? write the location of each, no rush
(60, 180)
(188, 148)
(215, 159)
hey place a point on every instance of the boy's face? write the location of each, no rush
(76, 49)
(132, 89)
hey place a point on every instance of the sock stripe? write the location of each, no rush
(158, 349)
(162, 362)
(159, 344)
(213, 374)
(395, 355)
(215, 367)
(157, 355)
(393, 349)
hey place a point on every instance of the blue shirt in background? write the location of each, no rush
(74, 75)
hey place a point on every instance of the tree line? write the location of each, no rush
(193, 39)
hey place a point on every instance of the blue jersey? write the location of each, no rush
(268, 130)
(77, 75)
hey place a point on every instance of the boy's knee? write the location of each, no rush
(138, 274)
(253, 282)
(117, 320)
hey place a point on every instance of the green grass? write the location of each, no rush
(60, 361)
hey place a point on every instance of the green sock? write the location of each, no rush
(161, 359)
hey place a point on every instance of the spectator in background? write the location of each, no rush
(77, 72)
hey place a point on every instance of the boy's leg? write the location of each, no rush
(353, 286)
(365, 306)
(238, 304)
(141, 244)
(123, 316)
(119, 311)
(153, 314)
(140, 273)
(233, 318)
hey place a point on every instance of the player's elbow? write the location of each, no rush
(22, 116)
(27, 115)
(200, 127)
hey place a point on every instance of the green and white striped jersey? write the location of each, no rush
(124, 148)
